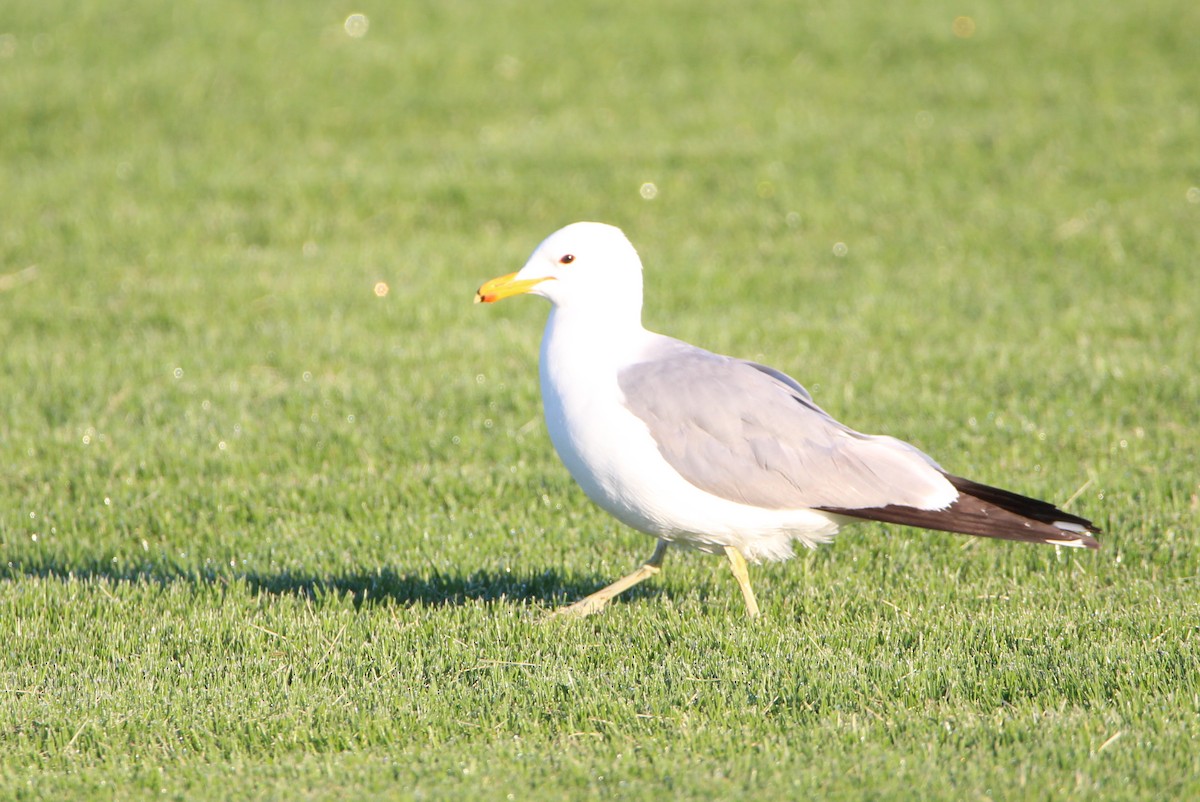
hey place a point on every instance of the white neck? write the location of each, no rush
(581, 339)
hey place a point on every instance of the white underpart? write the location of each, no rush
(613, 457)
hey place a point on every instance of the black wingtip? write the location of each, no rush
(1038, 510)
(987, 511)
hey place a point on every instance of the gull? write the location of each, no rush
(720, 454)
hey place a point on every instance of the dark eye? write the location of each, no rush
(567, 259)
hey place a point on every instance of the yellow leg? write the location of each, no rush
(596, 602)
(738, 564)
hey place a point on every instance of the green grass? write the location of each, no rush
(264, 534)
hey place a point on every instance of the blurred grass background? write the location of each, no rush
(278, 516)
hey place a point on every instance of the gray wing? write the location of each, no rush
(751, 434)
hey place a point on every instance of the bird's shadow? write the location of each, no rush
(365, 587)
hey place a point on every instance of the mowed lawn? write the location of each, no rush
(279, 518)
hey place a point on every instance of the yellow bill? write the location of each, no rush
(504, 287)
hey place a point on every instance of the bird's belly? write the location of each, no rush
(611, 454)
(602, 451)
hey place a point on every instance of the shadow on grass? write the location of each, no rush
(379, 586)
(388, 586)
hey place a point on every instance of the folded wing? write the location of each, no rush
(750, 434)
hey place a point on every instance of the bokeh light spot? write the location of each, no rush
(357, 25)
(963, 27)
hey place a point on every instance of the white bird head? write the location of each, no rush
(582, 266)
